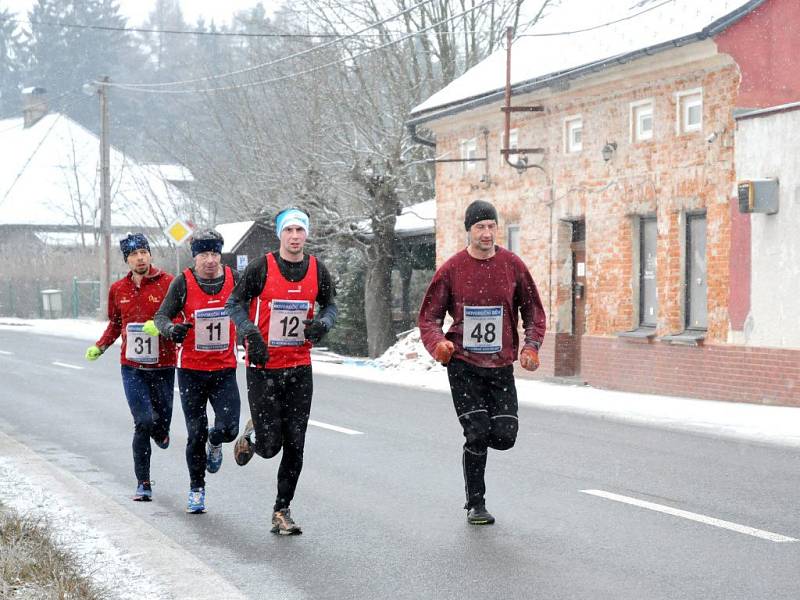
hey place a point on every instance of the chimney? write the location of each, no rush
(34, 105)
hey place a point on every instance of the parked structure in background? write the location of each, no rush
(50, 207)
(653, 278)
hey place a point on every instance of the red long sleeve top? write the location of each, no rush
(491, 293)
(129, 303)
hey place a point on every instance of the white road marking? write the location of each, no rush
(67, 365)
(759, 533)
(334, 427)
(6, 352)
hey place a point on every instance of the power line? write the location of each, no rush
(600, 26)
(299, 73)
(179, 31)
(276, 61)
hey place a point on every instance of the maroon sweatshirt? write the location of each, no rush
(488, 296)
(128, 304)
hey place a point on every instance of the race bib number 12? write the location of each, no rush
(483, 329)
(286, 322)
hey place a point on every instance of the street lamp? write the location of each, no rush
(101, 89)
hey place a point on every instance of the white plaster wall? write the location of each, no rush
(769, 146)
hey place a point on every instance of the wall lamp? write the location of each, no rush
(608, 150)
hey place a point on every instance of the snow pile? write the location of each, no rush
(408, 354)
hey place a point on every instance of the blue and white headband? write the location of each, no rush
(289, 217)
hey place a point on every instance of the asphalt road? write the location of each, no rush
(381, 511)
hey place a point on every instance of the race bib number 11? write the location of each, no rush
(483, 329)
(212, 329)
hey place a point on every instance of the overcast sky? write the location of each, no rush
(137, 10)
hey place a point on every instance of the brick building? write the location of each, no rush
(629, 221)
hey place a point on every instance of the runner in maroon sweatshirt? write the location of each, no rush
(148, 363)
(484, 288)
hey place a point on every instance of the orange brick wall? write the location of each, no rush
(666, 176)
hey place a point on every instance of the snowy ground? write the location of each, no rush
(408, 364)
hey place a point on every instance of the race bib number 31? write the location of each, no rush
(483, 329)
(140, 347)
(286, 322)
(212, 329)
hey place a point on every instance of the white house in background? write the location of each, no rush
(50, 181)
(767, 151)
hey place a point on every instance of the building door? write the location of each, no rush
(697, 285)
(578, 289)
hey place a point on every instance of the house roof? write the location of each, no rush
(556, 50)
(233, 234)
(415, 220)
(49, 176)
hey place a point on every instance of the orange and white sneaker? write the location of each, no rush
(283, 524)
(243, 448)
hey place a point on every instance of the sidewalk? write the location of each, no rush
(766, 424)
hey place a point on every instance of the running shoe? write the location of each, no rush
(243, 448)
(144, 492)
(478, 515)
(213, 455)
(283, 524)
(197, 501)
(163, 444)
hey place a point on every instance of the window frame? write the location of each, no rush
(637, 135)
(688, 247)
(683, 106)
(513, 142)
(515, 228)
(469, 149)
(569, 127)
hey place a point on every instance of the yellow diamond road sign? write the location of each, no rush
(179, 231)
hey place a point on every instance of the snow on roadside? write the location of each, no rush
(95, 556)
(408, 354)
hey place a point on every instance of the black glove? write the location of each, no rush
(257, 352)
(177, 333)
(315, 330)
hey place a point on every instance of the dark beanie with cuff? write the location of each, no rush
(134, 241)
(479, 210)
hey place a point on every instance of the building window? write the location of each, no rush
(642, 121)
(690, 111)
(696, 283)
(513, 142)
(469, 150)
(573, 131)
(648, 293)
(512, 238)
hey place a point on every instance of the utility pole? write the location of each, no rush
(105, 199)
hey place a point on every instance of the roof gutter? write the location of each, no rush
(531, 85)
(412, 130)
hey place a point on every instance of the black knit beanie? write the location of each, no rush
(480, 210)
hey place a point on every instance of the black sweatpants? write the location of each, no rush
(485, 400)
(198, 389)
(280, 404)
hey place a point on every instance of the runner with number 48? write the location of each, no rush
(484, 288)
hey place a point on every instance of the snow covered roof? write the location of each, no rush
(556, 49)
(233, 233)
(417, 219)
(174, 173)
(49, 175)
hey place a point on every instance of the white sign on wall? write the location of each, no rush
(241, 262)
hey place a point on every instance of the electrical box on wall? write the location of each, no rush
(758, 196)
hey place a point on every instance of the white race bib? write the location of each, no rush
(286, 322)
(212, 329)
(483, 329)
(139, 346)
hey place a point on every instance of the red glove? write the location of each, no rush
(529, 358)
(443, 351)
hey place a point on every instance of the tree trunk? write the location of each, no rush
(378, 302)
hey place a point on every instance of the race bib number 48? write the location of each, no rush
(286, 322)
(212, 331)
(139, 346)
(483, 329)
